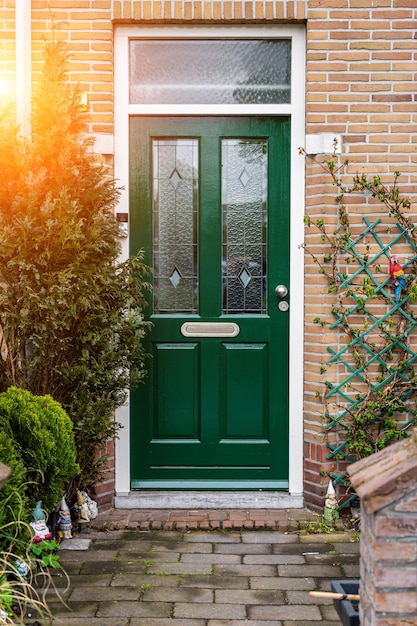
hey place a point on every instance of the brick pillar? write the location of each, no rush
(386, 483)
(104, 490)
(316, 468)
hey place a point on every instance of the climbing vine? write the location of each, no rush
(370, 384)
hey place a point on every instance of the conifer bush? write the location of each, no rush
(41, 435)
(13, 497)
(70, 313)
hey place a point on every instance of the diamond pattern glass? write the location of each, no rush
(175, 278)
(175, 178)
(244, 219)
(245, 277)
(210, 71)
(175, 219)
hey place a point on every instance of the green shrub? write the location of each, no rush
(71, 322)
(39, 436)
(13, 498)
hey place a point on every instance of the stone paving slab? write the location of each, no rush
(93, 621)
(164, 594)
(232, 622)
(104, 594)
(280, 582)
(181, 546)
(142, 580)
(285, 612)
(210, 558)
(273, 559)
(215, 581)
(155, 621)
(76, 543)
(211, 611)
(134, 609)
(258, 596)
(186, 569)
(308, 623)
(145, 557)
(204, 578)
(243, 548)
(246, 570)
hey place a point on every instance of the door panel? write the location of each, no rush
(210, 207)
(244, 388)
(176, 397)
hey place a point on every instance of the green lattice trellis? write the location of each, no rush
(370, 295)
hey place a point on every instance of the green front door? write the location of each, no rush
(209, 203)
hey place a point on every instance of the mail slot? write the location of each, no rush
(210, 329)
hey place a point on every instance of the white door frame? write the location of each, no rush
(297, 112)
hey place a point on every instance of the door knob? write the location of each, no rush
(281, 291)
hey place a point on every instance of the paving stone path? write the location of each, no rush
(202, 578)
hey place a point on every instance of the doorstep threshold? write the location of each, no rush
(161, 499)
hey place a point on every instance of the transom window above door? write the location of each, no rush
(210, 71)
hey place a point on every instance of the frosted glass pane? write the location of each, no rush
(175, 215)
(244, 202)
(210, 71)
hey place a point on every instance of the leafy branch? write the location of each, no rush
(376, 404)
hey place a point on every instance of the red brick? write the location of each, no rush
(394, 621)
(260, 524)
(205, 525)
(409, 504)
(396, 577)
(397, 602)
(247, 524)
(156, 525)
(387, 550)
(192, 525)
(404, 526)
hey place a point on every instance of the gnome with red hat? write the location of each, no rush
(397, 275)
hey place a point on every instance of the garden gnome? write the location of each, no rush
(64, 522)
(91, 505)
(397, 275)
(38, 513)
(38, 523)
(83, 512)
(22, 568)
(330, 512)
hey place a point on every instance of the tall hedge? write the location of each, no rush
(71, 322)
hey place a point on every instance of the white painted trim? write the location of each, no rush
(23, 20)
(297, 111)
(121, 170)
(210, 109)
(296, 365)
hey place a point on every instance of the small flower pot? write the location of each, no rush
(346, 609)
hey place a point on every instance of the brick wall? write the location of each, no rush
(361, 70)
(7, 56)
(86, 26)
(361, 62)
(386, 483)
